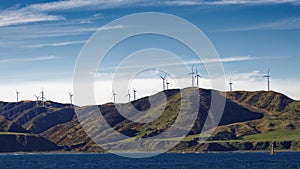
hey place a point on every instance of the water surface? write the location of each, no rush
(288, 160)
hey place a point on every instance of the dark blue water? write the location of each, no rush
(164, 161)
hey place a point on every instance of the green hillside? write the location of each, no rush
(14, 138)
(251, 121)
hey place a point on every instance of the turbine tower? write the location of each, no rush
(230, 85)
(114, 96)
(129, 96)
(43, 98)
(71, 98)
(37, 100)
(267, 76)
(17, 95)
(167, 84)
(164, 79)
(192, 73)
(197, 76)
(134, 93)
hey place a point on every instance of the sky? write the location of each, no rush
(40, 42)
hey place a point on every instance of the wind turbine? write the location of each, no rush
(197, 77)
(192, 73)
(230, 84)
(37, 100)
(114, 96)
(71, 98)
(167, 84)
(268, 79)
(17, 95)
(43, 98)
(129, 96)
(134, 93)
(163, 78)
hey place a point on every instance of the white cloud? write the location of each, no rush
(22, 35)
(57, 44)
(71, 4)
(16, 17)
(27, 59)
(58, 90)
(228, 2)
(231, 59)
(167, 63)
(54, 90)
(254, 81)
(284, 24)
(39, 12)
(103, 28)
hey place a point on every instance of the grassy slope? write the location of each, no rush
(282, 126)
(67, 134)
(280, 121)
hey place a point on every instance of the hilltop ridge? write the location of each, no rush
(247, 117)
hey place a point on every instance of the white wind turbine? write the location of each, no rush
(17, 95)
(37, 100)
(267, 76)
(114, 96)
(163, 77)
(230, 84)
(197, 76)
(134, 93)
(43, 98)
(167, 84)
(71, 98)
(129, 96)
(192, 73)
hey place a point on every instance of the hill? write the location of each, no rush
(34, 118)
(251, 121)
(66, 133)
(14, 138)
(9, 126)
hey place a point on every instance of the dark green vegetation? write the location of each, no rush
(251, 121)
(14, 138)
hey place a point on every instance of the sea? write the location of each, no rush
(260, 160)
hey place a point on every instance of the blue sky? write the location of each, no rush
(40, 41)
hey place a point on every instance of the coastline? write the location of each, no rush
(134, 152)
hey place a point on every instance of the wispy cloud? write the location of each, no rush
(27, 59)
(57, 44)
(229, 2)
(254, 81)
(103, 4)
(23, 34)
(231, 59)
(168, 63)
(23, 16)
(72, 4)
(204, 61)
(285, 24)
(112, 27)
(246, 76)
(42, 11)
